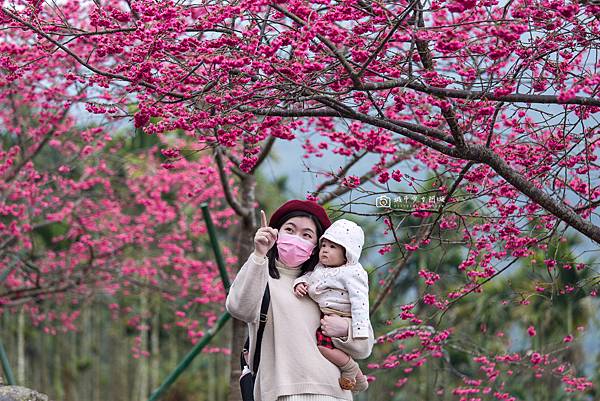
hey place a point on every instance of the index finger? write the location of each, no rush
(263, 218)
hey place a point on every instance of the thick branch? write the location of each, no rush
(478, 95)
(240, 211)
(278, 112)
(348, 113)
(560, 210)
(392, 126)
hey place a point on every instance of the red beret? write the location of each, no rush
(307, 206)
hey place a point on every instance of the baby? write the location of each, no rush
(340, 285)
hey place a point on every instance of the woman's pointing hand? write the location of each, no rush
(265, 237)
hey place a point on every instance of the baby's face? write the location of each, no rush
(331, 254)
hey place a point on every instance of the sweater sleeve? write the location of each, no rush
(246, 291)
(357, 284)
(357, 348)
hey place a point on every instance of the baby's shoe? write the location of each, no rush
(361, 384)
(347, 383)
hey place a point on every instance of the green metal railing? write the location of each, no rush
(10, 378)
(212, 234)
(185, 362)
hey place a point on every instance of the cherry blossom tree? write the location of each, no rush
(81, 203)
(497, 102)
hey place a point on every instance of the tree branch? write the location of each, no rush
(240, 211)
(477, 95)
(264, 153)
(423, 232)
(475, 153)
(86, 64)
(341, 190)
(336, 177)
(562, 211)
(278, 112)
(373, 55)
(345, 113)
(236, 162)
(332, 47)
(392, 126)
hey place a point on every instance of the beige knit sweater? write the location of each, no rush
(290, 360)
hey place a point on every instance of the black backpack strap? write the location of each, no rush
(264, 308)
(246, 348)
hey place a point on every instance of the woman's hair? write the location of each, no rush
(310, 264)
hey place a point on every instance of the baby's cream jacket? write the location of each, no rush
(344, 288)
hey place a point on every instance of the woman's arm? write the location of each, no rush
(340, 331)
(357, 348)
(246, 291)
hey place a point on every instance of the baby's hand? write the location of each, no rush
(301, 289)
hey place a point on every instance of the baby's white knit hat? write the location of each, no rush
(349, 235)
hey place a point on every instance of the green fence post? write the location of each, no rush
(10, 379)
(212, 234)
(185, 362)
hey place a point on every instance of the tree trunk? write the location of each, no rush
(59, 373)
(155, 344)
(21, 348)
(143, 360)
(211, 378)
(245, 246)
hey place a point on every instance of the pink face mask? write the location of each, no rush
(293, 250)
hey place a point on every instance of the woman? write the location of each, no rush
(291, 366)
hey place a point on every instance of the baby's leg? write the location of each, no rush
(352, 377)
(347, 365)
(334, 355)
